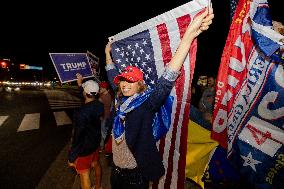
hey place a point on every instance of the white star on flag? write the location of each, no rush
(250, 161)
(136, 45)
(149, 46)
(147, 56)
(146, 76)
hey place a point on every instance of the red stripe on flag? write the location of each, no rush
(167, 55)
(182, 23)
(165, 43)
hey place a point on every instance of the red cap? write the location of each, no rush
(104, 84)
(131, 74)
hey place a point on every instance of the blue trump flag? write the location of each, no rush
(269, 41)
(67, 65)
(249, 107)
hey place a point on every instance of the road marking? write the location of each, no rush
(62, 107)
(65, 101)
(63, 104)
(62, 100)
(30, 122)
(3, 119)
(62, 118)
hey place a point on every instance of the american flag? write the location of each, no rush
(138, 51)
(233, 6)
(150, 46)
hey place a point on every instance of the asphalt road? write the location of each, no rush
(35, 131)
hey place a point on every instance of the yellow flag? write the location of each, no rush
(199, 147)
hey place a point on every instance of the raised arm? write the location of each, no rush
(79, 79)
(110, 67)
(197, 26)
(166, 82)
(108, 53)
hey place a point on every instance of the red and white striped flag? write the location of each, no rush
(150, 46)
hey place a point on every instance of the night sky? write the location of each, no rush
(29, 31)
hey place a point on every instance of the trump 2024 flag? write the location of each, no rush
(150, 46)
(67, 65)
(249, 103)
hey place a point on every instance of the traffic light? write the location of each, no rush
(3, 64)
(22, 66)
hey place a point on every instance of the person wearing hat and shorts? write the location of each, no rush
(136, 159)
(86, 137)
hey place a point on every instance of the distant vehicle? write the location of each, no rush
(10, 89)
(14, 78)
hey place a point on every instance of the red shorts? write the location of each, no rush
(83, 164)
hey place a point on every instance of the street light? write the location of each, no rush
(3, 64)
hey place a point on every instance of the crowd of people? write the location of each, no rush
(127, 123)
(121, 112)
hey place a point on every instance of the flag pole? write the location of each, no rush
(209, 5)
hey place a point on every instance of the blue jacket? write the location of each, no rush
(138, 129)
(87, 130)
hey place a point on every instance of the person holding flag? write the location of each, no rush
(135, 155)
